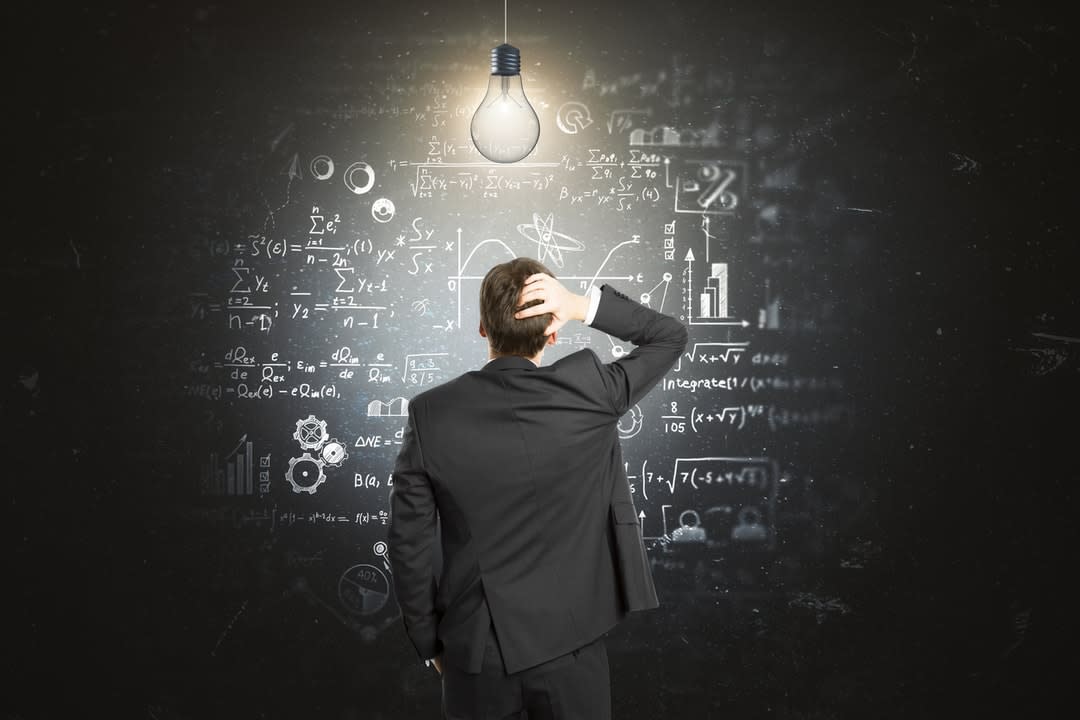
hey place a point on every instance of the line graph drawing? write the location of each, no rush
(646, 297)
(587, 281)
(455, 280)
(634, 240)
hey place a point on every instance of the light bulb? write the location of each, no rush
(505, 127)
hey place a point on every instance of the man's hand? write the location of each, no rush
(557, 300)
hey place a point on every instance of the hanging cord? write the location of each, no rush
(506, 36)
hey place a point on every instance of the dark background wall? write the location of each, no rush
(893, 377)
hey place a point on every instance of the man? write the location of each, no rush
(539, 538)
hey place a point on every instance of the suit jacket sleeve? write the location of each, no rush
(659, 338)
(411, 538)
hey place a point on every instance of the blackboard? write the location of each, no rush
(243, 235)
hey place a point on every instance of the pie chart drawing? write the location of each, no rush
(363, 589)
(382, 210)
(350, 183)
(322, 167)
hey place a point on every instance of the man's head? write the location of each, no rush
(499, 293)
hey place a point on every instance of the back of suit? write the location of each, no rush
(521, 462)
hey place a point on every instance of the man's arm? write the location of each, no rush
(659, 338)
(410, 538)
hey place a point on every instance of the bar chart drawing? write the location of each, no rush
(714, 301)
(231, 475)
(711, 303)
(769, 315)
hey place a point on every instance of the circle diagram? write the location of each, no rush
(350, 183)
(573, 117)
(363, 589)
(382, 210)
(322, 167)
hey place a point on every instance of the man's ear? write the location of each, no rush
(482, 333)
(551, 338)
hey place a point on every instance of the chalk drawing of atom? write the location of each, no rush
(548, 242)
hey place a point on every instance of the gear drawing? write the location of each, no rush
(334, 453)
(309, 468)
(311, 433)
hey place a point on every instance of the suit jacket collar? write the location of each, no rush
(507, 362)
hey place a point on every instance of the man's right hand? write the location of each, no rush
(557, 300)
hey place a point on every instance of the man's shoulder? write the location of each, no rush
(581, 366)
(585, 357)
(437, 392)
(444, 394)
(584, 361)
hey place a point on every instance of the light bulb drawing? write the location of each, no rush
(504, 127)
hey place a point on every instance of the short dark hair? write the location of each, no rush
(499, 293)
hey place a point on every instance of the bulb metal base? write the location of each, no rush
(505, 60)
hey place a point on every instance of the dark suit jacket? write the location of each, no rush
(523, 465)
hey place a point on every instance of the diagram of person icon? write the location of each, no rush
(690, 529)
